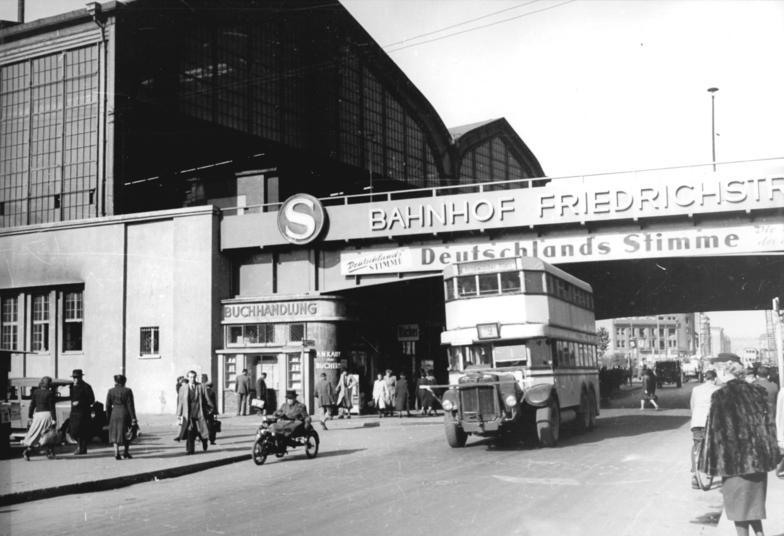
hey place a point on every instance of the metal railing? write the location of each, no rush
(760, 165)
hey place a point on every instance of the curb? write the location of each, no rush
(116, 482)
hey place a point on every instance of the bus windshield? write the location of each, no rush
(528, 353)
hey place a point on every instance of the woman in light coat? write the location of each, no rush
(380, 396)
(345, 387)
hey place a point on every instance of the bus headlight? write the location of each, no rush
(448, 405)
(511, 401)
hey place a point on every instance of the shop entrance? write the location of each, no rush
(271, 366)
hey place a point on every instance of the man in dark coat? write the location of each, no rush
(205, 380)
(292, 417)
(243, 392)
(325, 392)
(261, 392)
(193, 406)
(80, 421)
(402, 396)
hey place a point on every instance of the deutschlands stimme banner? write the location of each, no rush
(686, 242)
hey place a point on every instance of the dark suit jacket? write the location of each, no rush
(243, 384)
(82, 399)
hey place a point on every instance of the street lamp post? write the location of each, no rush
(712, 91)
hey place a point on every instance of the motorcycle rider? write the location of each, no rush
(292, 418)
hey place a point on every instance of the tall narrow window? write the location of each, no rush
(10, 322)
(149, 341)
(40, 342)
(72, 322)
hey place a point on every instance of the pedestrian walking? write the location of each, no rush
(389, 385)
(740, 446)
(325, 392)
(122, 416)
(212, 419)
(261, 393)
(345, 391)
(380, 396)
(648, 388)
(402, 401)
(763, 380)
(700, 407)
(193, 406)
(80, 420)
(43, 419)
(242, 388)
(429, 399)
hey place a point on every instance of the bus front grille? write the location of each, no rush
(478, 403)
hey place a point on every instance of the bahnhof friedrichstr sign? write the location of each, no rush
(557, 202)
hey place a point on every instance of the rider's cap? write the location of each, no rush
(291, 393)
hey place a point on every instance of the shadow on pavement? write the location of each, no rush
(711, 518)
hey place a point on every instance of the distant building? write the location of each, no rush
(648, 338)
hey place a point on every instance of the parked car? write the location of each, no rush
(19, 396)
(668, 371)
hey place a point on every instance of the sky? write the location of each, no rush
(590, 85)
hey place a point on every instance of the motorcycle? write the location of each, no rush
(267, 442)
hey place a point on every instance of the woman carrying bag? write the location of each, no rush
(122, 416)
(43, 420)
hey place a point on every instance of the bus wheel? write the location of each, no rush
(583, 421)
(455, 435)
(591, 410)
(548, 424)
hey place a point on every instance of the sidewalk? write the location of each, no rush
(155, 456)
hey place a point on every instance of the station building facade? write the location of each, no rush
(129, 131)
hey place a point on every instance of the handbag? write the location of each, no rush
(50, 437)
(216, 425)
(257, 403)
(132, 432)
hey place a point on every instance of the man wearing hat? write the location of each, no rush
(82, 399)
(292, 416)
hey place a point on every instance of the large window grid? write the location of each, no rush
(49, 137)
(489, 161)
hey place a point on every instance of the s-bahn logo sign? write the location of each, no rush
(301, 219)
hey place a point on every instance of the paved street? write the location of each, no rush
(629, 476)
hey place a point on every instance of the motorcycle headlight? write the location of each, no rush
(448, 405)
(510, 400)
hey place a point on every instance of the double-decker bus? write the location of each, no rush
(521, 340)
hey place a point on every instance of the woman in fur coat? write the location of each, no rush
(740, 446)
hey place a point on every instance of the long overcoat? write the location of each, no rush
(740, 435)
(80, 421)
(183, 410)
(325, 392)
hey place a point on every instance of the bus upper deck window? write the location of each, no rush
(488, 284)
(534, 283)
(510, 282)
(466, 286)
(449, 289)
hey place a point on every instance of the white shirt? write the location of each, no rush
(700, 403)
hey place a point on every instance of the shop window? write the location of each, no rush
(149, 341)
(10, 322)
(247, 334)
(449, 289)
(40, 334)
(72, 322)
(296, 332)
(229, 372)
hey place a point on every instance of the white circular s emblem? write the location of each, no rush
(301, 218)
